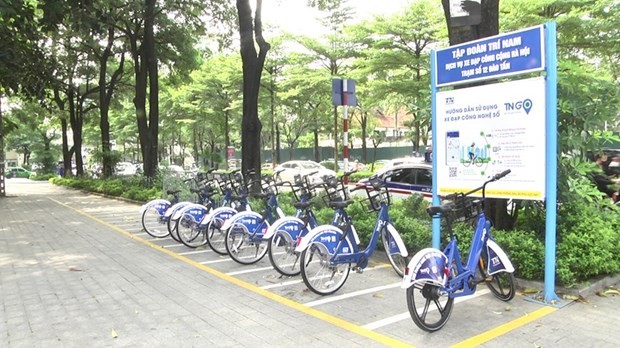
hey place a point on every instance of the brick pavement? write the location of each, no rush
(68, 281)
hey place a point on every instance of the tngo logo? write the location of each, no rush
(525, 104)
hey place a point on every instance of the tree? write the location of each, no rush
(489, 26)
(251, 35)
(393, 59)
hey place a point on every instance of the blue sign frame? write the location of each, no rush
(517, 52)
(544, 58)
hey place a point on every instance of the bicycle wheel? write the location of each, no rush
(172, 229)
(429, 306)
(153, 223)
(241, 247)
(478, 162)
(317, 273)
(501, 284)
(397, 261)
(190, 233)
(282, 254)
(216, 237)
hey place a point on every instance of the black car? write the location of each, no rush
(412, 178)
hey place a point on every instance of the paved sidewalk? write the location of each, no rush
(67, 281)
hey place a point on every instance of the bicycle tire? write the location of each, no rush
(397, 261)
(216, 237)
(190, 233)
(153, 224)
(241, 248)
(172, 228)
(282, 254)
(422, 296)
(501, 284)
(318, 275)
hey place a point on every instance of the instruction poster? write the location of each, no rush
(482, 131)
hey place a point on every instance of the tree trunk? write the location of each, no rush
(105, 96)
(495, 209)
(151, 66)
(253, 64)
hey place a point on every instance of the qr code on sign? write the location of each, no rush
(452, 172)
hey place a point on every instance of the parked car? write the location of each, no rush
(125, 169)
(291, 168)
(413, 178)
(329, 163)
(17, 172)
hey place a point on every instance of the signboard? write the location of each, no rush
(338, 97)
(513, 53)
(482, 131)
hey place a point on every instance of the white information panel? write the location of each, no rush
(482, 131)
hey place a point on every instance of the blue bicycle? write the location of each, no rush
(284, 233)
(433, 279)
(329, 252)
(245, 231)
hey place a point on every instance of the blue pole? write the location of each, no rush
(551, 178)
(435, 226)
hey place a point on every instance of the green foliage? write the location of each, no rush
(526, 251)
(42, 177)
(589, 243)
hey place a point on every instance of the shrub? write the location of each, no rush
(526, 251)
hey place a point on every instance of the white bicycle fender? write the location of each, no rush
(305, 241)
(498, 260)
(175, 208)
(278, 224)
(399, 241)
(222, 213)
(239, 215)
(191, 210)
(427, 266)
(153, 203)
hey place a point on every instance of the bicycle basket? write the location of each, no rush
(466, 208)
(377, 192)
(335, 190)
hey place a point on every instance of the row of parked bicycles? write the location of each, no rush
(238, 214)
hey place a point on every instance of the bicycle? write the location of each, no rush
(235, 193)
(477, 161)
(433, 278)
(245, 242)
(284, 233)
(154, 218)
(158, 212)
(328, 251)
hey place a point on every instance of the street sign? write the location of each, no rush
(517, 52)
(338, 97)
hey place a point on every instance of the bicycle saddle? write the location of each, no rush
(340, 204)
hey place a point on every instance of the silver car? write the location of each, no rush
(288, 170)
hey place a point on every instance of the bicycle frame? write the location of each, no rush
(465, 273)
(361, 256)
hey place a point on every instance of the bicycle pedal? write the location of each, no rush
(359, 270)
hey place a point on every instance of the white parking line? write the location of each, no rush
(351, 294)
(407, 316)
(250, 271)
(215, 261)
(195, 252)
(278, 285)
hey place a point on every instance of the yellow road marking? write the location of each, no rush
(282, 300)
(502, 329)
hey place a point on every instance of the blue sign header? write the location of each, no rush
(517, 52)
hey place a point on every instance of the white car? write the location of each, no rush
(289, 169)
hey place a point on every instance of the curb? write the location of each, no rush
(585, 289)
